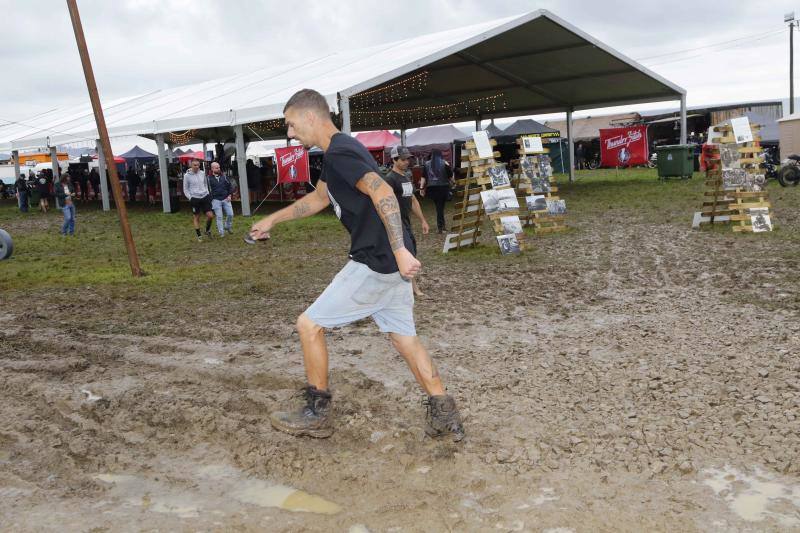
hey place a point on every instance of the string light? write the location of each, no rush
(394, 92)
(449, 112)
(181, 138)
(268, 127)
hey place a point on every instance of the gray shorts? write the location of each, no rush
(358, 292)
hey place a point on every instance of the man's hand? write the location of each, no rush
(228, 199)
(260, 230)
(425, 227)
(408, 265)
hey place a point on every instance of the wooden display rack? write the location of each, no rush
(469, 209)
(732, 206)
(470, 212)
(542, 221)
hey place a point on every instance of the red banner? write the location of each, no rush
(292, 164)
(624, 147)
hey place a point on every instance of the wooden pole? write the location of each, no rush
(102, 131)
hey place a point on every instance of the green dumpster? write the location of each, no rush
(675, 161)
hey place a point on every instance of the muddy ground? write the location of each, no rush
(629, 375)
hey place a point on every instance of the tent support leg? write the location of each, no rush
(15, 155)
(344, 109)
(162, 171)
(683, 119)
(101, 161)
(571, 146)
(241, 164)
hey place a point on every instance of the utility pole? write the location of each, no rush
(102, 131)
(789, 17)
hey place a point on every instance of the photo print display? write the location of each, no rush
(497, 201)
(532, 145)
(729, 156)
(556, 207)
(499, 177)
(738, 178)
(511, 224)
(742, 130)
(536, 202)
(545, 169)
(509, 245)
(483, 145)
(759, 218)
(529, 167)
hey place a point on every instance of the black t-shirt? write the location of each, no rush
(404, 190)
(346, 162)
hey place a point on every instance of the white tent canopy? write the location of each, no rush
(536, 61)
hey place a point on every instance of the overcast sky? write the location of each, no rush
(142, 45)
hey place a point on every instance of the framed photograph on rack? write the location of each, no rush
(511, 224)
(499, 177)
(509, 245)
(532, 144)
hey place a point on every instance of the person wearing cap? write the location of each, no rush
(399, 179)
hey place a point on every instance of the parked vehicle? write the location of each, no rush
(6, 245)
(771, 162)
(789, 174)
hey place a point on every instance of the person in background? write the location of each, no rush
(84, 181)
(22, 193)
(133, 183)
(580, 156)
(94, 178)
(399, 178)
(195, 188)
(150, 181)
(435, 184)
(66, 195)
(43, 186)
(221, 191)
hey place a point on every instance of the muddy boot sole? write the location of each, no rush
(457, 436)
(317, 433)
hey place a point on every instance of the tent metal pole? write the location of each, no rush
(478, 123)
(241, 164)
(571, 145)
(56, 171)
(15, 155)
(402, 136)
(101, 161)
(683, 119)
(344, 108)
(162, 171)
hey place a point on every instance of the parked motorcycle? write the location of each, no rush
(789, 174)
(771, 162)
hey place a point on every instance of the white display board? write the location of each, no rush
(482, 144)
(532, 145)
(742, 130)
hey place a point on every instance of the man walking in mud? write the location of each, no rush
(374, 283)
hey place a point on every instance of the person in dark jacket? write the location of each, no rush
(133, 184)
(435, 184)
(43, 185)
(66, 195)
(222, 188)
(22, 193)
(84, 181)
(94, 179)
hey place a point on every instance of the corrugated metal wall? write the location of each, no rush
(773, 111)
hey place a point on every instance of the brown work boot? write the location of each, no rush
(311, 420)
(443, 417)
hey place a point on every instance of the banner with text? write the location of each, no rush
(292, 162)
(624, 147)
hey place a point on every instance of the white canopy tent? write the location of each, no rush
(532, 63)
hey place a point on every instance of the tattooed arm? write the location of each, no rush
(388, 209)
(308, 205)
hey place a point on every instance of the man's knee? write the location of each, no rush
(307, 327)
